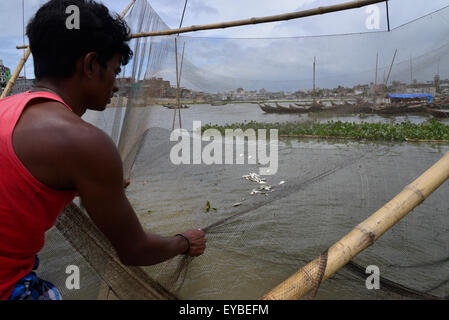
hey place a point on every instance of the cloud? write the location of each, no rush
(217, 64)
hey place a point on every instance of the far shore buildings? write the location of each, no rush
(161, 90)
(5, 72)
(22, 84)
(156, 88)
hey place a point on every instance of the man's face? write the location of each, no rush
(104, 85)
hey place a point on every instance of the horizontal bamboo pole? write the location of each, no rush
(237, 23)
(280, 17)
(363, 235)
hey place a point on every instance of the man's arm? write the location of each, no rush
(97, 174)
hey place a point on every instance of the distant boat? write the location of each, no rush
(416, 107)
(317, 106)
(298, 109)
(360, 107)
(218, 103)
(172, 106)
(410, 97)
(281, 109)
(267, 108)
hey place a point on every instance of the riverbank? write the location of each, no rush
(431, 131)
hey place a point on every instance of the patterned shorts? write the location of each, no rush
(31, 287)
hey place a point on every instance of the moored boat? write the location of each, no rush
(282, 109)
(297, 109)
(172, 106)
(437, 113)
(267, 108)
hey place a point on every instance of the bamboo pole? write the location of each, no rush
(237, 23)
(363, 235)
(27, 53)
(177, 84)
(377, 67)
(16, 73)
(127, 9)
(391, 67)
(314, 66)
(280, 17)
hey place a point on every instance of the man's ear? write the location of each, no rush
(90, 64)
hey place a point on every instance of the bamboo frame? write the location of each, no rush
(177, 85)
(178, 82)
(127, 9)
(27, 53)
(363, 235)
(16, 73)
(391, 67)
(280, 17)
(238, 23)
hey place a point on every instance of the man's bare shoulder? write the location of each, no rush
(53, 125)
(54, 144)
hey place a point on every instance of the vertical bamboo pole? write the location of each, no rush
(23, 40)
(27, 53)
(375, 80)
(314, 65)
(377, 67)
(391, 67)
(177, 84)
(388, 16)
(363, 235)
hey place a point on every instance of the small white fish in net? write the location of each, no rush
(262, 190)
(254, 177)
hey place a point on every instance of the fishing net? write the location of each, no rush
(260, 232)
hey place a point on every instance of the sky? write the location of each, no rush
(284, 62)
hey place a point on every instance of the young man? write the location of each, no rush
(48, 154)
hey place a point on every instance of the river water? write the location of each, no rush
(329, 187)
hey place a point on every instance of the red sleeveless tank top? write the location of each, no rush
(28, 208)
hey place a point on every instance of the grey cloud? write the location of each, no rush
(198, 7)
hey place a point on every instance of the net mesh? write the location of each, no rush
(321, 190)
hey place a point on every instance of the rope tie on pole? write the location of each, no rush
(320, 275)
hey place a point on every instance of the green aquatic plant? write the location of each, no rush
(208, 207)
(431, 130)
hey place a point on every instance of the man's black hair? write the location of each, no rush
(56, 49)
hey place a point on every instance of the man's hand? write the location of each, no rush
(197, 242)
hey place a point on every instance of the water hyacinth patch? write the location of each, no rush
(431, 130)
